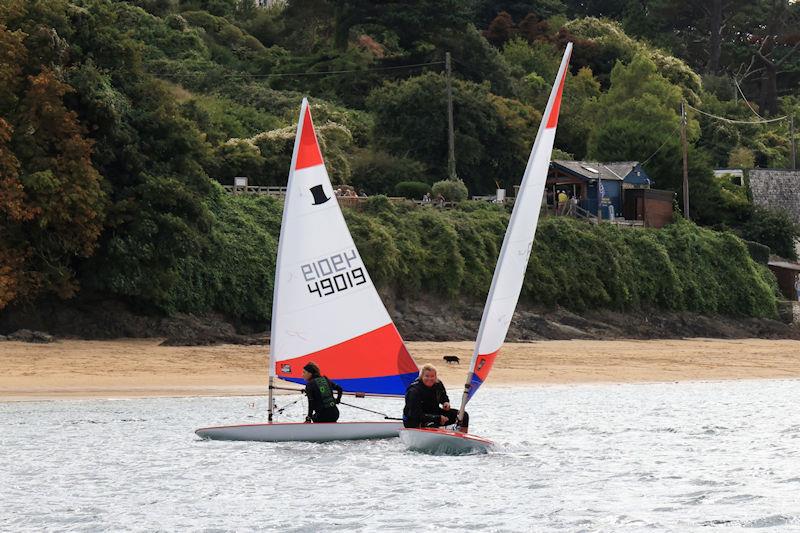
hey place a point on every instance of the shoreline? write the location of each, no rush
(140, 368)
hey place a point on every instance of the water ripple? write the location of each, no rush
(661, 457)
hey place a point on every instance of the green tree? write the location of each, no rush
(60, 181)
(451, 190)
(53, 204)
(600, 44)
(377, 172)
(581, 92)
(773, 228)
(637, 115)
(487, 10)
(493, 135)
(237, 158)
(741, 157)
(313, 21)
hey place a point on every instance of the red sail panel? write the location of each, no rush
(308, 154)
(376, 362)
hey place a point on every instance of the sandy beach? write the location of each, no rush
(140, 367)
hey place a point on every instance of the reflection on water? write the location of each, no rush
(682, 456)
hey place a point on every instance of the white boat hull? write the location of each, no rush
(444, 442)
(296, 431)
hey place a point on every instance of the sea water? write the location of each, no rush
(693, 456)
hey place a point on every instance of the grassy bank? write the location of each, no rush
(451, 253)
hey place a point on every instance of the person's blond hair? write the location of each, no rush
(429, 367)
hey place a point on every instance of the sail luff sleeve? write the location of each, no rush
(512, 263)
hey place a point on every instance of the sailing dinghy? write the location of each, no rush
(506, 283)
(325, 309)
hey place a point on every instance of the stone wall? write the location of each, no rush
(778, 189)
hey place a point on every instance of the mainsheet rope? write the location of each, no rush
(385, 416)
(282, 409)
(302, 392)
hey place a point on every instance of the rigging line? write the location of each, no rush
(387, 417)
(745, 99)
(288, 388)
(732, 121)
(325, 73)
(282, 409)
(662, 145)
(348, 393)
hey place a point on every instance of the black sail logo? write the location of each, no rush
(319, 195)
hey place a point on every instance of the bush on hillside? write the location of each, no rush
(452, 190)
(413, 190)
(234, 272)
(452, 253)
(758, 252)
(773, 228)
(379, 172)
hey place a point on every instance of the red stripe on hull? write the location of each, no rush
(380, 352)
(484, 364)
(308, 154)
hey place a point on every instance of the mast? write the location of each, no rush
(281, 242)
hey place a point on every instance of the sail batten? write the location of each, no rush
(512, 263)
(325, 306)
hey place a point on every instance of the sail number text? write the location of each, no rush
(333, 274)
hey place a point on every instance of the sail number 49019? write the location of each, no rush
(333, 274)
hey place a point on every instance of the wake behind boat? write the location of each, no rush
(435, 441)
(509, 275)
(325, 309)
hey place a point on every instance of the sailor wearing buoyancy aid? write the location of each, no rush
(319, 389)
(427, 403)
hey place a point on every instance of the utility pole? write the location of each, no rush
(451, 155)
(685, 162)
(794, 142)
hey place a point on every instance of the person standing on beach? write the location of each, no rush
(319, 389)
(427, 403)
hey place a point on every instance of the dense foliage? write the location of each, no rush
(118, 117)
(410, 250)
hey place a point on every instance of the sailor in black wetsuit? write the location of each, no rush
(319, 389)
(427, 404)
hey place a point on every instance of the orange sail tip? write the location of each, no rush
(552, 120)
(308, 154)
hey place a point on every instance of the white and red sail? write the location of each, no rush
(516, 250)
(325, 307)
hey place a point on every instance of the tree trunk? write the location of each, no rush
(769, 88)
(715, 39)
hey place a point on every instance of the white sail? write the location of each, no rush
(515, 252)
(325, 307)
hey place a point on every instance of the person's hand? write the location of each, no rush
(446, 406)
(443, 420)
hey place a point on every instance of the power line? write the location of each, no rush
(734, 121)
(666, 140)
(307, 73)
(746, 101)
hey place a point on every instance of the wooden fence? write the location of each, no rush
(356, 201)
